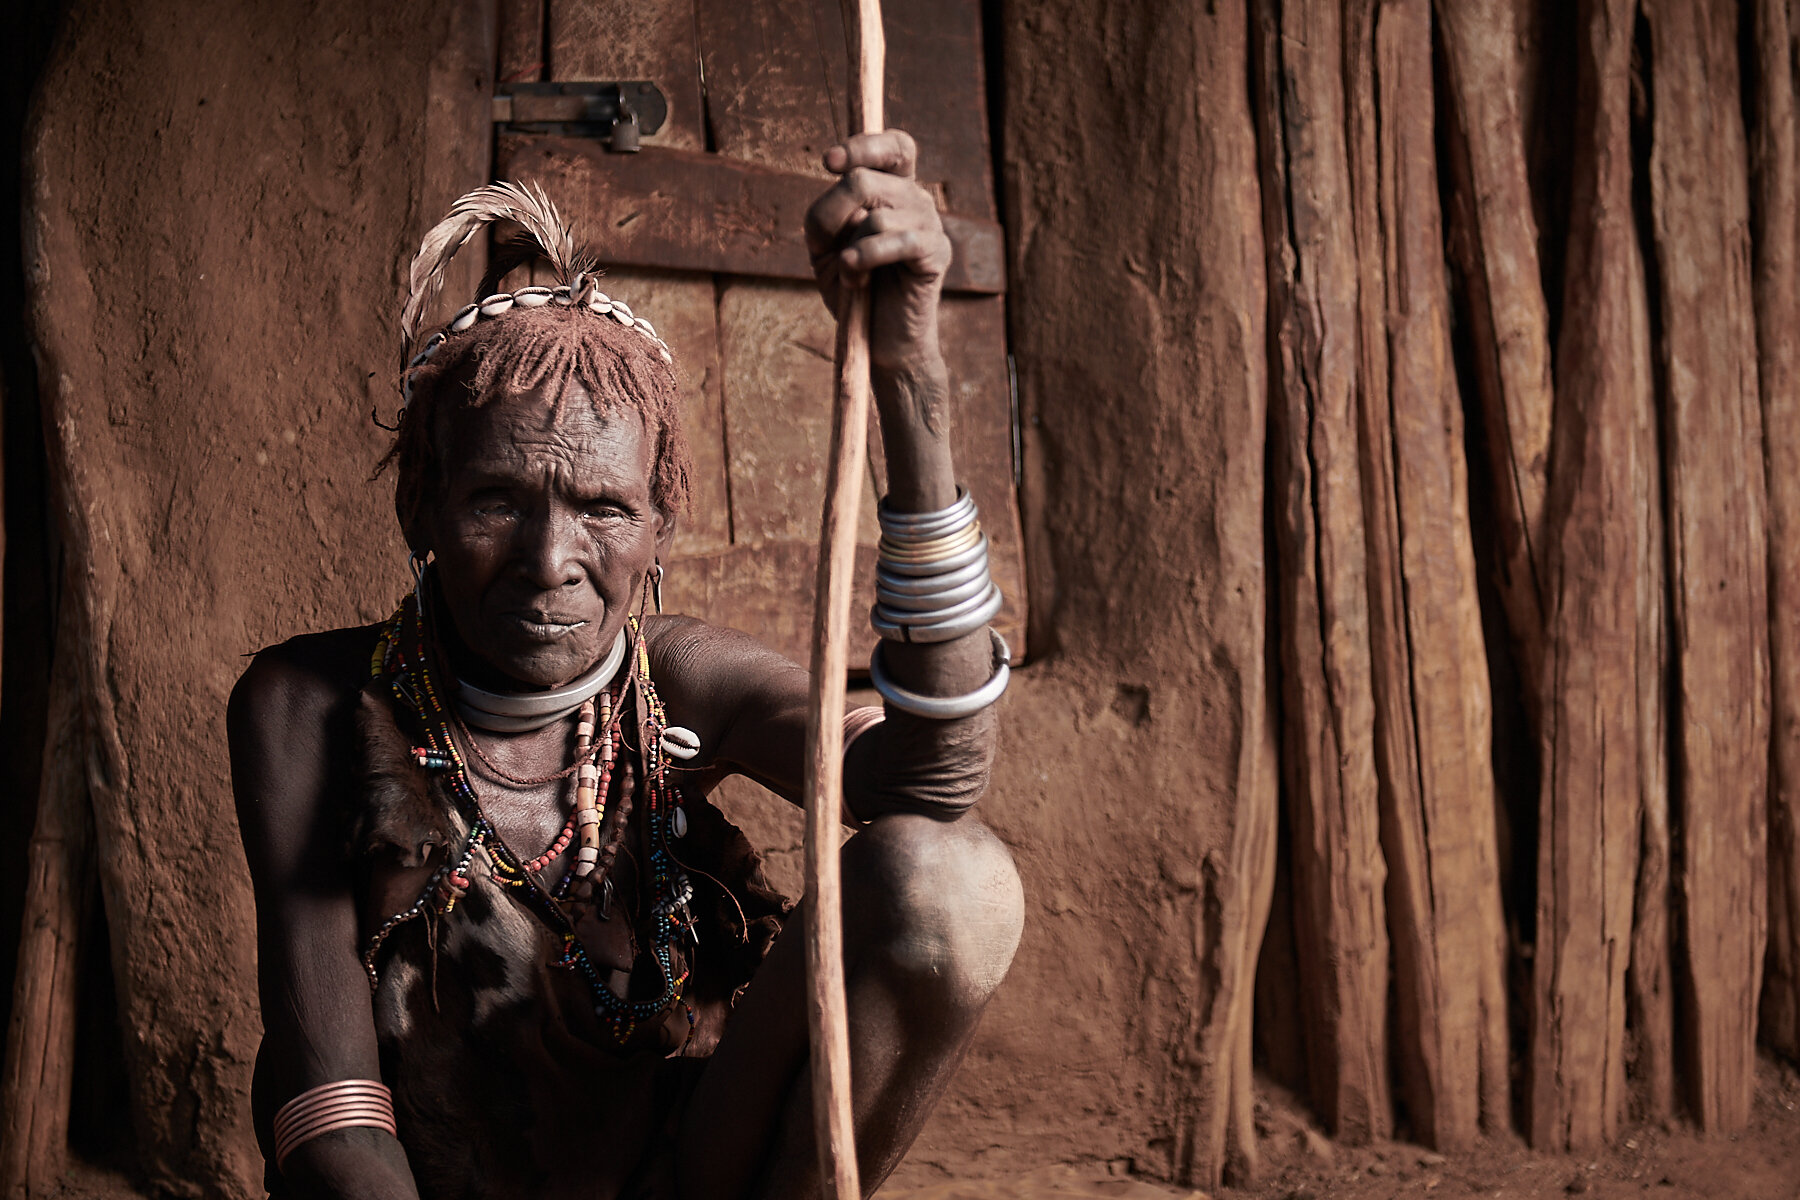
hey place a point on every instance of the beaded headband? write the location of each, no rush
(578, 285)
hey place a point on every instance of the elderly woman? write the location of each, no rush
(507, 946)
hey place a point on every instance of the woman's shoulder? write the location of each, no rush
(688, 649)
(302, 679)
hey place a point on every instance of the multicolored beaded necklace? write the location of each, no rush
(402, 658)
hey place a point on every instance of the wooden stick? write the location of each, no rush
(827, 1020)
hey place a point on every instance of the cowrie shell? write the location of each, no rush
(678, 742)
(494, 305)
(531, 297)
(678, 826)
(464, 319)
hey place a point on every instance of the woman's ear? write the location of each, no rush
(665, 535)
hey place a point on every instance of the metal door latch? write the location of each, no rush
(616, 113)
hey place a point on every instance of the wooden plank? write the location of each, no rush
(1431, 687)
(1315, 489)
(934, 93)
(776, 344)
(458, 137)
(1496, 245)
(775, 80)
(1774, 174)
(38, 1083)
(633, 39)
(1714, 467)
(520, 53)
(690, 211)
(789, 59)
(1593, 546)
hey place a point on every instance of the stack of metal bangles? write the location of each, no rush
(346, 1104)
(932, 585)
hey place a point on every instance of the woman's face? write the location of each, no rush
(543, 530)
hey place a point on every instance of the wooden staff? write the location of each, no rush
(827, 1021)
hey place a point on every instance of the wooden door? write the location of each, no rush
(701, 231)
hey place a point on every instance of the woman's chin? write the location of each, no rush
(532, 659)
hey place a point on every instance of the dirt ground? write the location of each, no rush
(1301, 1164)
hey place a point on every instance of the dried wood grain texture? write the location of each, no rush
(1430, 671)
(690, 211)
(458, 137)
(1315, 496)
(38, 1083)
(1714, 467)
(775, 339)
(520, 52)
(654, 40)
(1497, 250)
(1773, 173)
(1593, 552)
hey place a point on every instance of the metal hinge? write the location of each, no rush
(616, 113)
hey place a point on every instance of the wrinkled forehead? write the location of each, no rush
(561, 432)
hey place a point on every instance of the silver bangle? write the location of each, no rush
(899, 603)
(918, 527)
(933, 616)
(924, 585)
(944, 708)
(939, 566)
(944, 630)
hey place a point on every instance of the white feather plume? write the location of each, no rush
(525, 204)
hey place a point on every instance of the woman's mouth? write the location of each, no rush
(545, 627)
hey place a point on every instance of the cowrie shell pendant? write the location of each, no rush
(681, 743)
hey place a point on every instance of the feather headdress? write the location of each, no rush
(525, 204)
(545, 237)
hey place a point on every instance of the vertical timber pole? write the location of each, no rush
(826, 1018)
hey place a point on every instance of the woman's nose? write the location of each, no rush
(549, 555)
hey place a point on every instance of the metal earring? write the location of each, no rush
(418, 564)
(656, 585)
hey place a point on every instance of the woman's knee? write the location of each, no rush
(939, 901)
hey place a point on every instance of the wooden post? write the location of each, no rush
(1315, 490)
(1508, 320)
(40, 1038)
(827, 1020)
(1594, 544)
(1713, 461)
(1432, 737)
(1773, 166)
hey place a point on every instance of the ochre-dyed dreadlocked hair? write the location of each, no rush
(536, 337)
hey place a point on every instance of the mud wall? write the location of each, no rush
(220, 206)
(220, 200)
